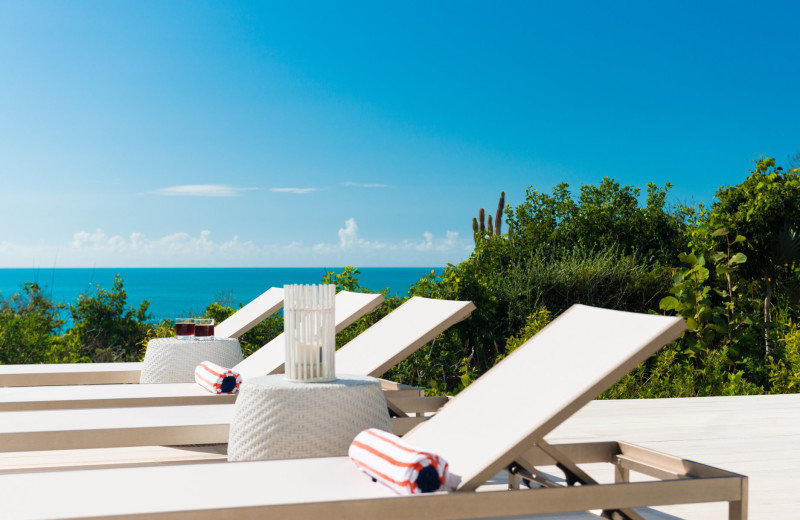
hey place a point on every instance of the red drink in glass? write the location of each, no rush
(204, 329)
(184, 328)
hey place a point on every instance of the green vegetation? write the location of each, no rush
(104, 328)
(731, 270)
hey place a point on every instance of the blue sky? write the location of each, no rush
(145, 133)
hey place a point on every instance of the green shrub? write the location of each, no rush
(535, 322)
(105, 330)
(29, 325)
(670, 374)
(604, 278)
(784, 365)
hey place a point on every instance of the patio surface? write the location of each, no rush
(758, 436)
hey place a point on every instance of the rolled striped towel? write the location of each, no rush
(396, 464)
(217, 379)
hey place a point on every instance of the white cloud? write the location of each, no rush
(362, 185)
(348, 234)
(297, 191)
(350, 242)
(431, 243)
(181, 249)
(202, 190)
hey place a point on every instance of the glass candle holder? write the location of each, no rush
(309, 324)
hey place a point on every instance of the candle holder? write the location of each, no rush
(309, 324)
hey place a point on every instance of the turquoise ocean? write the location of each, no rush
(175, 292)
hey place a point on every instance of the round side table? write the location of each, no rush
(171, 360)
(278, 419)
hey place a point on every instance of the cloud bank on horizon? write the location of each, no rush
(184, 250)
(202, 190)
(296, 191)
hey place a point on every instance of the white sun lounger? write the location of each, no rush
(395, 337)
(349, 307)
(238, 323)
(496, 423)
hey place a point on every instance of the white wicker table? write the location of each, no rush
(278, 419)
(171, 360)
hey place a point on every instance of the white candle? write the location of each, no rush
(309, 359)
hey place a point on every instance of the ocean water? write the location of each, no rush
(175, 292)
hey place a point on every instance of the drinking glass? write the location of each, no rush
(204, 328)
(184, 328)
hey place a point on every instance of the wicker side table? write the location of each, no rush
(278, 419)
(170, 360)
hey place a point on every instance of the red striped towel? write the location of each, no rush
(217, 379)
(396, 464)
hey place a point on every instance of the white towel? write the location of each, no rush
(217, 379)
(393, 462)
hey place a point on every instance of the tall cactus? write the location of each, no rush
(498, 219)
(480, 226)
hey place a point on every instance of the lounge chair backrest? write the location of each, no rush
(554, 374)
(349, 307)
(248, 316)
(398, 334)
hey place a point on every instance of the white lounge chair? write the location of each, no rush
(350, 306)
(371, 353)
(496, 423)
(238, 323)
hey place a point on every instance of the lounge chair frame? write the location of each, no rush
(679, 481)
(683, 482)
(477, 437)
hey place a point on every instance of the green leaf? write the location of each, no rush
(690, 259)
(691, 324)
(738, 258)
(702, 272)
(719, 232)
(719, 255)
(669, 303)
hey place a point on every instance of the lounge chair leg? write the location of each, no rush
(621, 475)
(513, 480)
(574, 474)
(738, 510)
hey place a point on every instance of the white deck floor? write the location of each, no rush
(757, 436)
